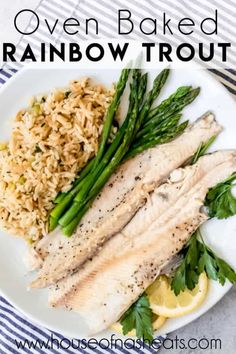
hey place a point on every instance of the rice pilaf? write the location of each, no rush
(50, 142)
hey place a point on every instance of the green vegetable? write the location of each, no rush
(163, 111)
(63, 200)
(166, 105)
(220, 201)
(153, 141)
(202, 149)
(36, 108)
(11, 186)
(63, 204)
(3, 146)
(164, 127)
(59, 198)
(52, 223)
(151, 97)
(37, 149)
(175, 106)
(70, 227)
(197, 258)
(22, 180)
(85, 171)
(111, 114)
(139, 317)
(67, 94)
(162, 122)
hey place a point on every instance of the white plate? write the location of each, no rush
(220, 234)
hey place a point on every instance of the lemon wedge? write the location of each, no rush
(165, 303)
(158, 321)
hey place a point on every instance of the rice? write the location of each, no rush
(50, 143)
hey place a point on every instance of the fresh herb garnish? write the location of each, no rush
(202, 149)
(139, 317)
(220, 201)
(67, 94)
(199, 258)
(37, 149)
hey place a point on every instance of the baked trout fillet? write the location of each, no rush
(126, 191)
(106, 286)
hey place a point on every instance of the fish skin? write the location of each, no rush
(107, 287)
(142, 175)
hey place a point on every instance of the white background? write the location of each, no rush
(8, 10)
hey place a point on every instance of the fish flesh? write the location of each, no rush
(105, 287)
(126, 191)
(158, 202)
(124, 194)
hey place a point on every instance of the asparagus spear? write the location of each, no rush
(69, 229)
(52, 223)
(61, 207)
(86, 170)
(178, 95)
(174, 108)
(161, 128)
(151, 96)
(123, 148)
(76, 209)
(111, 114)
(157, 140)
(165, 109)
(59, 198)
(82, 174)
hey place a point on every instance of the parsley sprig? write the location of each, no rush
(202, 149)
(139, 317)
(199, 258)
(220, 201)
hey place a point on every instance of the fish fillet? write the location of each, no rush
(129, 262)
(121, 198)
(162, 198)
